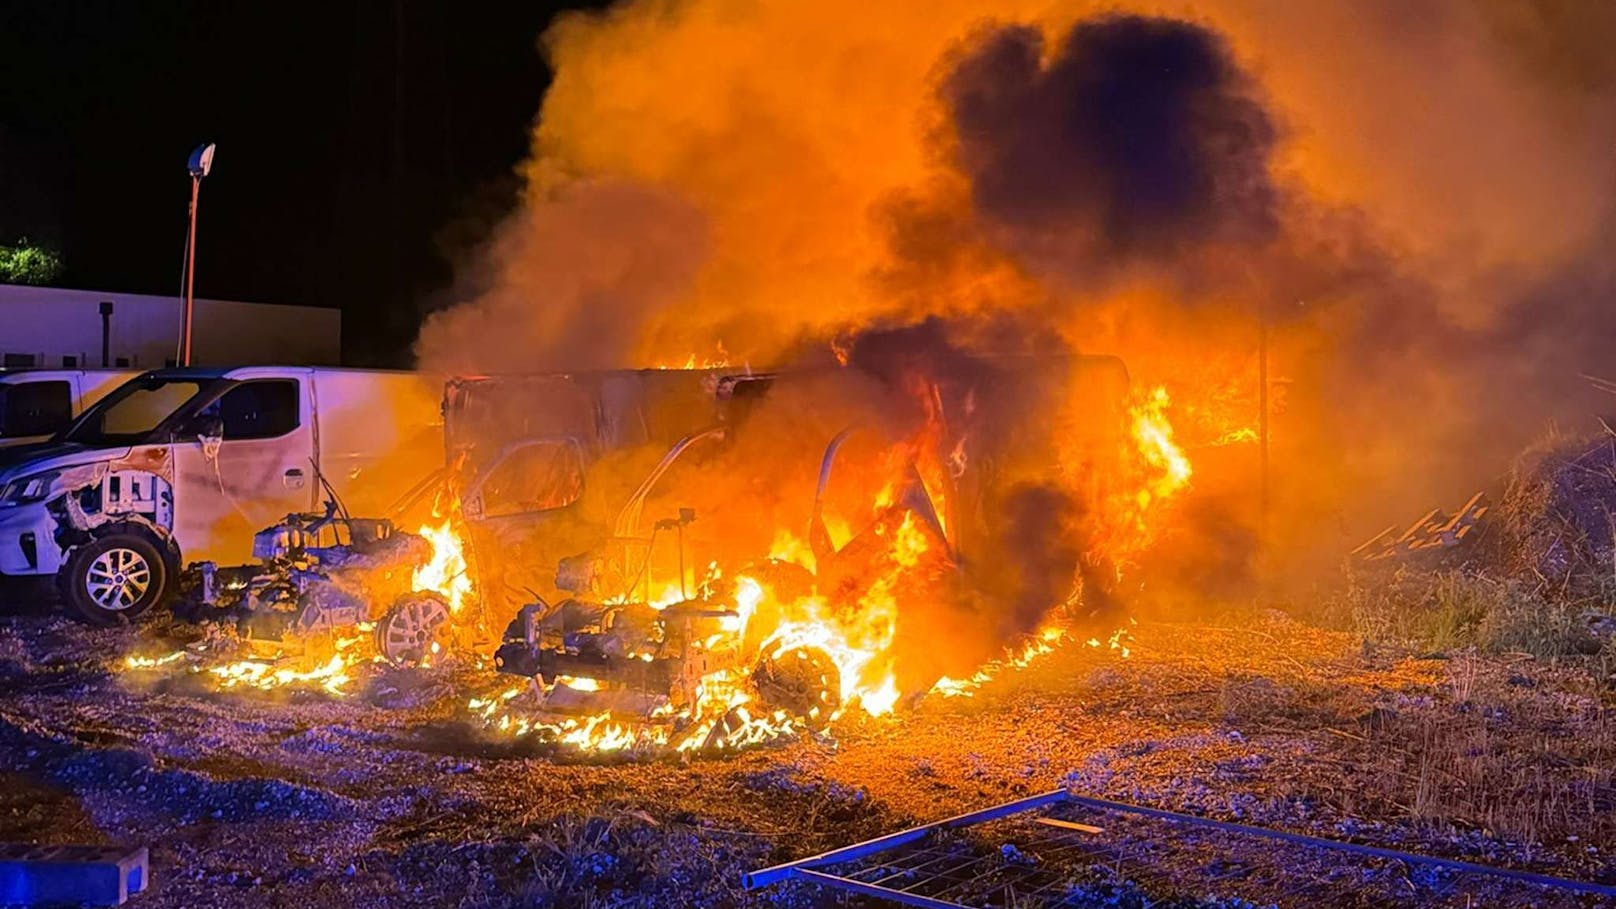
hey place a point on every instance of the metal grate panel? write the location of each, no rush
(1065, 850)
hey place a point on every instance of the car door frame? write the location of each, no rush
(212, 533)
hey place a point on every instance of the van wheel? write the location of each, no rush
(115, 577)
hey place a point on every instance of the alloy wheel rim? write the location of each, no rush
(118, 578)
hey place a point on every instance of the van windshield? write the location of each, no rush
(130, 414)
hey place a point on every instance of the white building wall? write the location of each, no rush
(50, 323)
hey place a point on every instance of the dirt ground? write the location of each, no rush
(391, 797)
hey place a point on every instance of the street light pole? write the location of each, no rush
(201, 162)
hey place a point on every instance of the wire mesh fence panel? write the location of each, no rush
(1081, 855)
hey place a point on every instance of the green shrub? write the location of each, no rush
(28, 263)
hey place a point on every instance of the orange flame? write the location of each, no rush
(446, 572)
(267, 673)
(1154, 436)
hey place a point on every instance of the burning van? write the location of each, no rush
(715, 549)
(188, 465)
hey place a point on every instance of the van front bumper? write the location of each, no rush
(28, 541)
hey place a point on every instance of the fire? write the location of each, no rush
(1043, 643)
(748, 594)
(140, 662)
(330, 676)
(446, 573)
(787, 547)
(325, 660)
(851, 641)
(262, 674)
(856, 681)
(1153, 434)
(1131, 507)
(598, 733)
(718, 359)
(720, 720)
(831, 644)
(858, 640)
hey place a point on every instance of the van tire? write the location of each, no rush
(117, 576)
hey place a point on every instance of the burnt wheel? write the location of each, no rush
(405, 635)
(115, 577)
(802, 681)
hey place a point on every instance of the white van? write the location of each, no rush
(36, 404)
(186, 464)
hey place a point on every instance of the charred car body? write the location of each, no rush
(574, 512)
(324, 574)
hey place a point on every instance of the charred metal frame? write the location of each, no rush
(820, 869)
(805, 869)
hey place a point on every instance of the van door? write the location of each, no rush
(253, 466)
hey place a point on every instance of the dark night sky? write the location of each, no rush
(362, 144)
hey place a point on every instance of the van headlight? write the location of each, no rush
(32, 488)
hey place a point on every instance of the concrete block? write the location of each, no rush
(71, 875)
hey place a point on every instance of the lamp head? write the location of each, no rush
(201, 160)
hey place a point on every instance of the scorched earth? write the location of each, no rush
(392, 795)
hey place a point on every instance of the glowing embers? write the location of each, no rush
(722, 716)
(271, 671)
(1043, 643)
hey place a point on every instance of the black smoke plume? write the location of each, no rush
(1138, 142)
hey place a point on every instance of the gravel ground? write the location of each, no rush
(390, 797)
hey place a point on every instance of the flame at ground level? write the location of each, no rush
(280, 670)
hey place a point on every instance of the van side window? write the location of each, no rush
(541, 476)
(35, 408)
(261, 409)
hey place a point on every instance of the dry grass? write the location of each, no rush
(1459, 608)
(1529, 757)
(1250, 717)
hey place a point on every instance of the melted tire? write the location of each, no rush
(802, 681)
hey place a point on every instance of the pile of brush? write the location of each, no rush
(1530, 567)
(1554, 525)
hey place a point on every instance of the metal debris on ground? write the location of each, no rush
(1062, 849)
(330, 573)
(1435, 529)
